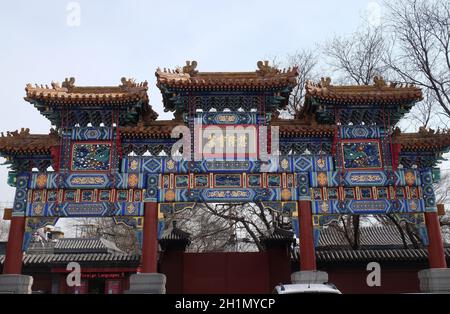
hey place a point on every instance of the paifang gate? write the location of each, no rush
(341, 154)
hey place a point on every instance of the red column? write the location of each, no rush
(436, 255)
(307, 250)
(150, 238)
(14, 254)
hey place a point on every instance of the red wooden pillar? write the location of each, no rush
(14, 254)
(436, 255)
(150, 238)
(307, 250)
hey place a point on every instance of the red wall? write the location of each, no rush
(256, 272)
(226, 273)
(393, 280)
(171, 264)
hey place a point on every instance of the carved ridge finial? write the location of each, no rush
(22, 132)
(379, 81)
(325, 82)
(131, 82)
(190, 68)
(264, 68)
(69, 83)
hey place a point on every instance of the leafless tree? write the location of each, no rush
(306, 61)
(357, 58)
(425, 114)
(121, 235)
(442, 192)
(350, 225)
(4, 227)
(208, 233)
(229, 227)
(4, 224)
(421, 45)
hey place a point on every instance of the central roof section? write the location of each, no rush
(266, 81)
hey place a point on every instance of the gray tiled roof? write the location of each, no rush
(374, 255)
(74, 245)
(279, 234)
(55, 259)
(379, 236)
(379, 243)
(85, 245)
(177, 234)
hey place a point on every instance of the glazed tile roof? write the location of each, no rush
(22, 142)
(129, 98)
(297, 127)
(154, 129)
(188, 77)
(379, 93)
(69, 94)
(287, 128)
(423, 140)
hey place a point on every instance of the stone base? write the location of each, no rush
(309, 276)
(15, 284)
(435, 280)
(147, 283)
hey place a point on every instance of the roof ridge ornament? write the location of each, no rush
(266, 69)
(325, 82)
(22, 132)
(131, 82)
(190, 68)
(69, 83)
(396, 131)
(53, 132)
(379, 81)
(426, 131)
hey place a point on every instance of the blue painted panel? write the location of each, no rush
(228, 195)
(361, 207)
(149, 164)
(88, 209)
(227, 117)
(87, 181)
(92, 133)
(360, 131)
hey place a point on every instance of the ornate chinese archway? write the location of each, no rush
(340, 156)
